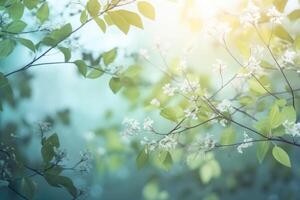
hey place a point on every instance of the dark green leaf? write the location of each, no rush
(6, 47)
(16, 10)
(66, 52)
(28, 187)
(82, 67)
(16, 26)
(27, 43)
(142, 159)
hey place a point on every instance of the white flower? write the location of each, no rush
(247, 142)
(169, 90)
(183, 64)
(223, 122)
(207, 143)
(219, 66)
(276, 17)
(187, 86)
(253, 65)
(150, 144)
(191, 113)
(292, 128)
(144, 53)
(148, 124)
(168, 143)
(132, 126)
(250, 15)
(225, 106)
(155, 102)
(288, 57)
(218, 30)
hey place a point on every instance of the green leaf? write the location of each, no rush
(294, 15)
(115, 84)
(82, 67)
(48, 147)
(146, 9)
(131, 18)
(30, 4)
(95, 73)
(61, 181)
(27, 43)
(281, 156)
(16, 10)
(66, 52)
(262, 150)
(109, 56)
(28, 187)
(297, 43)
(58, 35)
(16, 26)
(280, 32)
(119, 21)
(83, 17)
(288, 113)
(171, 113)
(168, 161)
(274, 117)
(93, 7)
(280, 4)
(6, 91)
(142, 159)
(228, 136)
(43, 12)
(6, 47)
(101, 24)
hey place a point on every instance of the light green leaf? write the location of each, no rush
(131, 18)
(43, 12)
(274, 117)
(262, 150)
(66, 52)
(30, 4)
(281, 156)
(142, 159)
(146, 9)
(27, 43)
(95, 73)
(115, 84)
(109, 56)
(101, 24)
(280, 4)
(28, 187)
(16, 26)
(294, 15)
(228, 136)
(82, 67)
(61, 181)
(288, 113)
(119, 21)
(16, 10)
(280, 32)
(297, 43)
(93, 7)
(168, 161)
(6, 47)
(83, 17)
(171, 113)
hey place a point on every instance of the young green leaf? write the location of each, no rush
(168, 161)
(82, 67)
(30, 4)
(16, 10)
(294, 15)
(146, 9)
(109, 56)
(228, 136)
(131, 18)
(43, 12)
(119, 21)
(28, 187)
(6, 47)
(83, 17)
(16, 26)
(101, 24)
(115, 84)
(95, 73)
(27, 43)
(142, 159)
(66, 52)
(280, 32)
(281, 156)
(93, 7)
(262, 150)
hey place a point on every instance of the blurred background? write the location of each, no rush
(86, 114)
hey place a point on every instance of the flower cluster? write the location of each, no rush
(132, 127)
(86, 158)
(250, 15)
(218, 30)
(191, 113)
(155, 102)
(167, 143)
(292, 128)
(247, 142)
(225, 106)
(276, 17)
(288, 57)
(169, 90)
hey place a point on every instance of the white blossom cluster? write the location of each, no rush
(288, 57)
(276, 17)
(219, 66)
(155, 102)
(205, 143)
(225, 106)
(169, 90)
(191, 113)
(132, 127)
(292, 128)
(250, 15)
(247, 142)
(218, 30)
(86, 158)
(167, 143)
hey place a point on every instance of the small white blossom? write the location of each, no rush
(225, 106)
(169, 90)
(218, 30)
(144, 53)
(132, 127)
(187, 86)
(148, 124)
(168, 143)
(253, 65)
(150, 144)
(191, 113)
(288, 57)
(247, 142)
(223, 122)
(183, 64)
(155, 102)
(207, 143)
(250, 15)
(292, 128)
(219, 66)
(276, 17)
